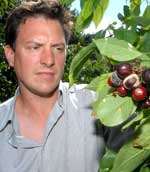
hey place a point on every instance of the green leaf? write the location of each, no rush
(147, 12)
(129, 158)
(126, 11)
(127, 35)
(106, 163)
(66, 2)
(135, 7)
(113, 110)
(145, 169)
(117, 50)
(145, 61)
(99, 84)
(138, 20)
(82, 3)
(143, 139)
(144, 44)
(78, 62)
(85, 14)
(135, 120)
(99, 11)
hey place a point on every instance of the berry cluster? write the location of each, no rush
(127, 81)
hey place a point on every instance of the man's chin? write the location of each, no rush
(46, 92)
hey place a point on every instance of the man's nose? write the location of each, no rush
(47, 57)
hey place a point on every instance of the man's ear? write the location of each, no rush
(9, 54)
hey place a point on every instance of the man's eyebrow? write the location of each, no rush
(41, 43)
(35, 42)
(58, 44)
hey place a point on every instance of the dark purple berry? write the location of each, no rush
(146, 75)
(131, 81)
(123, 70)
(145, 104)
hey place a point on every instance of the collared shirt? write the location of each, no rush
(71, 142)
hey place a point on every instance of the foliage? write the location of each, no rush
(91, 10)
(7, 77)
(128, 43)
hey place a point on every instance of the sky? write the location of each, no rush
(110, 15)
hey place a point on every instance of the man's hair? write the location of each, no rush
(45, 8)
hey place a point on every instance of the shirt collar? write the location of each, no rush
(7, 108)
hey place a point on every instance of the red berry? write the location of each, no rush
(109, 81)
(139, 94)
(122, 91)
(123, 70)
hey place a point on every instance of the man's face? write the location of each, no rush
(39, 55)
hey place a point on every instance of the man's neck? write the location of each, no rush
(32, 113)
(36, 104)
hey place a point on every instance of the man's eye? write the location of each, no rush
(60, 49)
(35, 47)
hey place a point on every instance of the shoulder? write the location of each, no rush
(6, 111)
(6, 104)
(6, 108)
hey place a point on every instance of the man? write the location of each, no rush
(46, 126)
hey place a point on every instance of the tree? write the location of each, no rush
(7, 77)
(128, 44)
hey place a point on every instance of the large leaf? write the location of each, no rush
(129, 158)
(99, 11)
(117, 50)
(78, 62)
(85, 14)
(113, 110)
(99, 84)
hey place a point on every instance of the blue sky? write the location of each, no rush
(114, 7)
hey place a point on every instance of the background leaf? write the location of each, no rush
(127, 35)
(78, 62)
(99, 11)
(86, 13)
(117, 50)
